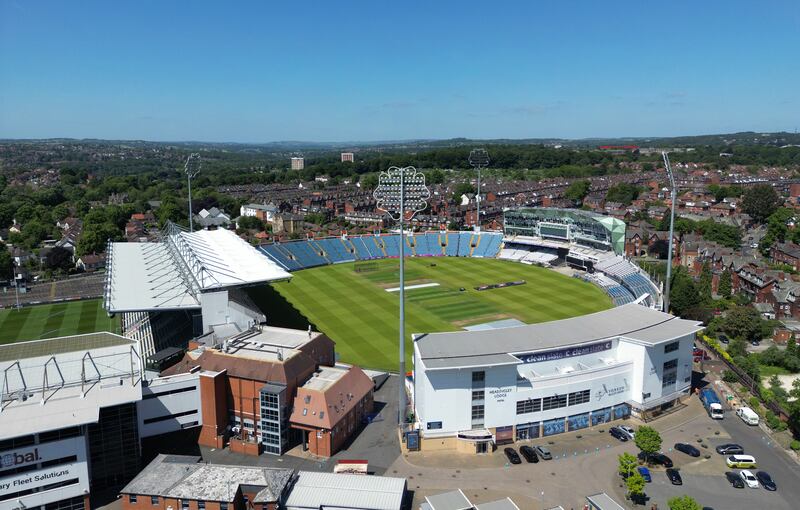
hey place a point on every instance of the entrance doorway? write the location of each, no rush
(481, 447)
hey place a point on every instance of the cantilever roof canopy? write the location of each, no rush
(171, 273)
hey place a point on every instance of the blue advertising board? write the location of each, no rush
(551, 427)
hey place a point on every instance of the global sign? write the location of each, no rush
(569, 352)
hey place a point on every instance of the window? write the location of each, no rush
(670, 365)
(669, 379)
(153, 500)
(223, 505)
(477, 395)
(305, 411)
(184, 504)
(671, 347)
(477, 412)
(530, 405)
(579, 397)
(201, 505)
(554, 402)
(478, 379)
(132, 498)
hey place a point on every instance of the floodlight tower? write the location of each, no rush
(192, 168)
(673, 196)
(401, 193)
(478, 158)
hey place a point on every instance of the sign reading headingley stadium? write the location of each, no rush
(569, 352)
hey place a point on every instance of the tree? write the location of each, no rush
(6, 263)
(746, 323)
(462, 188)
(791, 346)
(648, 440)
(250, 223)
(737, 347)
(635, 484)
(705, 282)
(760, 202)
(684, 297)
(683, 503)
(627, 464)
(622, 192)
(725, 286)
(435, 177)
(578, 190)
(59, 258)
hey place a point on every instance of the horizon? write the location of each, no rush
(256, 74)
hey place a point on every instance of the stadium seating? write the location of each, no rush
(464, 244)
(452, 245)
(295, 255)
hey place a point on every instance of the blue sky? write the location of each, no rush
(378, 70)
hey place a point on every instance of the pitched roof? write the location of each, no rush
(329, 395)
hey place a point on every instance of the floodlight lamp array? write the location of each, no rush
(479, 158)
(401, 188)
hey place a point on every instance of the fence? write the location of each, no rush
(750, 383)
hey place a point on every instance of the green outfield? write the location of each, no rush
(357, 312)
(56, 319)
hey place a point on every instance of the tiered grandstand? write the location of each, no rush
(295, 255)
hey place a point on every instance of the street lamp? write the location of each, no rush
(673, 193)
(478, 158)
(401, 193)
(192, 168)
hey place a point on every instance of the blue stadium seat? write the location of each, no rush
(452, 245)
(282, 257)
(391, 244)
(362, 252)
(464, 244)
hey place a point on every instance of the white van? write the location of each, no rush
(747, 415)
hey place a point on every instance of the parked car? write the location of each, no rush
(687, 449)
(741, 461)
(749, 479)
(766, 481)
(529, 453)
(674, 476)
(616, 432)
(730, 449)
(755, 343)
(656, 458)
(645, 473)
(734, 479)
(628, 431)
(543, 452)
(512, 456)
(723, 338)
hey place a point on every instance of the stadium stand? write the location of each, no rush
(302, 254)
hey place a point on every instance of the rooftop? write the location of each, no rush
(453, 500)
(318, 490)
(474, 348)
(63, 344)
(185, 477)
(171, 273)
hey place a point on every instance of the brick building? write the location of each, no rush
(249, 381)
(329, 407)
(181, 482)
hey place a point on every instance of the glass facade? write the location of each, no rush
(527, 431)
(274, 433)
(114, 446)
(601, 416)
(578, 421)
(573, 225)
(551, 427)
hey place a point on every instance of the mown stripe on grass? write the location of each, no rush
(52, 325)
(15, 321)
(87, 320)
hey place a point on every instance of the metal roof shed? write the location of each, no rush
(314, 491)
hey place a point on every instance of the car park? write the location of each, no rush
(749, 479)
(687, 449)
(628, 431)
(734, 479)
(730, 449)
(617, 433)
(512, 455)
(529, 453)
(645, 473)
(741, 461)
(766, 481)
(656, 458)
(543, 452)
(674, 476)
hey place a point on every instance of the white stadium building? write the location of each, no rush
(475, 388)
